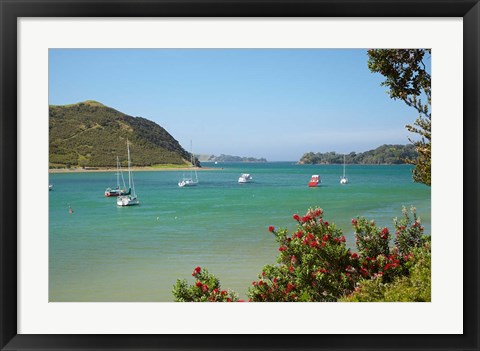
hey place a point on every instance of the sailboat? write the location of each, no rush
(343, 179)
(117, 191)
(130, 199)
(185, 182)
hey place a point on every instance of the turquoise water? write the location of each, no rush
(105, 253)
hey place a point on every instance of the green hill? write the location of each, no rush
(90, 134)
(230, 158)
(385, 154)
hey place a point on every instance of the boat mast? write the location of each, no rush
(118, 174)
(128, 162)
(344, 166)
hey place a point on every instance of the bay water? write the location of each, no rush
(102, 252)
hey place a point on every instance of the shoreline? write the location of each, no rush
(134, 169)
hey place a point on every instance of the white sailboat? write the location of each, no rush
(191, 181)
(245, 178)
(343, 179)
(131, 199)
(117, 191)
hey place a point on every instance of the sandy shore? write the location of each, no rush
(143, 169)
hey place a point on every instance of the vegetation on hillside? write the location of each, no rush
(385, 154)
(230, 158)
(89, 134)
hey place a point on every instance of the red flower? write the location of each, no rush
(384, 233)
(196, 271)
(198, 284)
(297, 234)
(260, 282)
(282, 248)
(354, 222)
(290, 286)
(271, 228)
(306, 218)
(291, 269)
(205, 287)
(354, 255)
(293, 260)
(296, 217)
(318, 212)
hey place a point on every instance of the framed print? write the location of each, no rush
(269, 81)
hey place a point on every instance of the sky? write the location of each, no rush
(271, 103)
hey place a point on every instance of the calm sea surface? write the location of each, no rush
(105, 253)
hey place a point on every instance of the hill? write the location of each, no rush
(90, 134)
(385, 154)
(229, 158)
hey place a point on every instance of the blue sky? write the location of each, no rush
(272, 103)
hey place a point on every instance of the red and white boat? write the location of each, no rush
(314, 181)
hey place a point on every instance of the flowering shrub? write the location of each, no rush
(370, 240)
(206, 288)
(314, 264)
(408, 232)
(415, 286)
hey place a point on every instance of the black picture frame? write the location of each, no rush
(11, 10)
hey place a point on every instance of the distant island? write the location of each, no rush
(89, 135)
(385, 154)
(228, 158)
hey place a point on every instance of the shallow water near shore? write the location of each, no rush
(102, 252)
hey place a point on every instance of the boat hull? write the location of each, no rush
(117, 192)
(187, 183)
(127, 201)
(245, 178)
(314, 181)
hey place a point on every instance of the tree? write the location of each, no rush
(408, 80)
